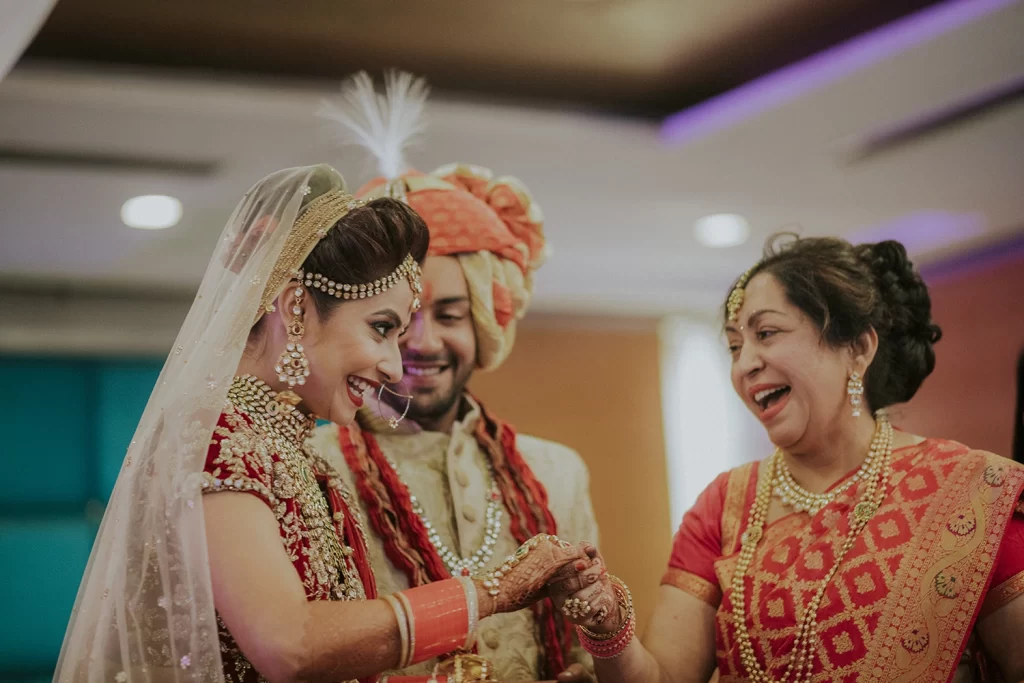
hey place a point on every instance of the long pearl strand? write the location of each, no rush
(801, 661)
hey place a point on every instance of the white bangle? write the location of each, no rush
(412, 627)
(472, 609)
(405, 651)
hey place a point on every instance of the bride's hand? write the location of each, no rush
(586, 595)
(522, 579)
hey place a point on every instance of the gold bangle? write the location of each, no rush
(625, 602)
(405, 651)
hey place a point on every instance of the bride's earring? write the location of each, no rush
(855, 389)
(293, 367)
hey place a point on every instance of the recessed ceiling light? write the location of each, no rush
(151, 212)
(721, 230)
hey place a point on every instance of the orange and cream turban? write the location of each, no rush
(494, 228)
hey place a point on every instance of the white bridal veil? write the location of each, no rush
(144, 610)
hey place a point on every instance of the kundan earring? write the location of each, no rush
(855, 389)
(293, 366)
(392, 421)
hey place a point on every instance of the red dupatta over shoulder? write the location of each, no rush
(945, 547)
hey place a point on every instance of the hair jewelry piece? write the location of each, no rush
(735, 300)
(392, 421)
(408, 270)
(316, 220)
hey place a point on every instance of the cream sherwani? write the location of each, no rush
(449, 476)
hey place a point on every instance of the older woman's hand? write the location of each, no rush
(584, 593)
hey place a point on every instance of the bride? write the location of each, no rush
(229, 550)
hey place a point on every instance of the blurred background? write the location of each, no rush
(665, 141)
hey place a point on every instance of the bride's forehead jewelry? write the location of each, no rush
(408, 270)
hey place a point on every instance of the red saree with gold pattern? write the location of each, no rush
(945, 548)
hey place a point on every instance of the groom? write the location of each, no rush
(454, 489)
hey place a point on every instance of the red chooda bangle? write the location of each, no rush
(441, 616)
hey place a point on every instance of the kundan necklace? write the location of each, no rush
(477, 562)
(801, 660)
(791, 494)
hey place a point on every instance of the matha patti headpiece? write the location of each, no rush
(408, 270)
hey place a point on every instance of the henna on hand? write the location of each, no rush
(593, 587)
(603, 612)
(523, 579)
(583, 573)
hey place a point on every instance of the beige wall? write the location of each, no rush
(595, 387)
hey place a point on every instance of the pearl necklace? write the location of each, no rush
(791, 494)
(458, 565)
(801, 661)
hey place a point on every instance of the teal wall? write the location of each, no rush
(66, 424)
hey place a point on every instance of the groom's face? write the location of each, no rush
(439, 349)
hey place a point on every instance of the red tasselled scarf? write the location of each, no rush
(352, 533)
(405, 537)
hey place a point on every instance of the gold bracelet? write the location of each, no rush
(625, 602)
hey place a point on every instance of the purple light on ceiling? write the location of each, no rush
(978, 260)
(924, 231)
(777, 88)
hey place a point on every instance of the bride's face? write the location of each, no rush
(352, 351)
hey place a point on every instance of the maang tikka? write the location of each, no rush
(293, 366)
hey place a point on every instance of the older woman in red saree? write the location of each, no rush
(856, 552)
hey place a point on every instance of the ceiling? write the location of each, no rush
(648, 57)
(619, 194)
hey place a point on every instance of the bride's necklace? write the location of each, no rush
(801, 660)
(791, 494)
(477, 562)
(277, 410)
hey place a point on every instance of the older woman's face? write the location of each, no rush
(792, 381)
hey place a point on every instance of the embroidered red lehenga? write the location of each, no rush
(945, 549)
